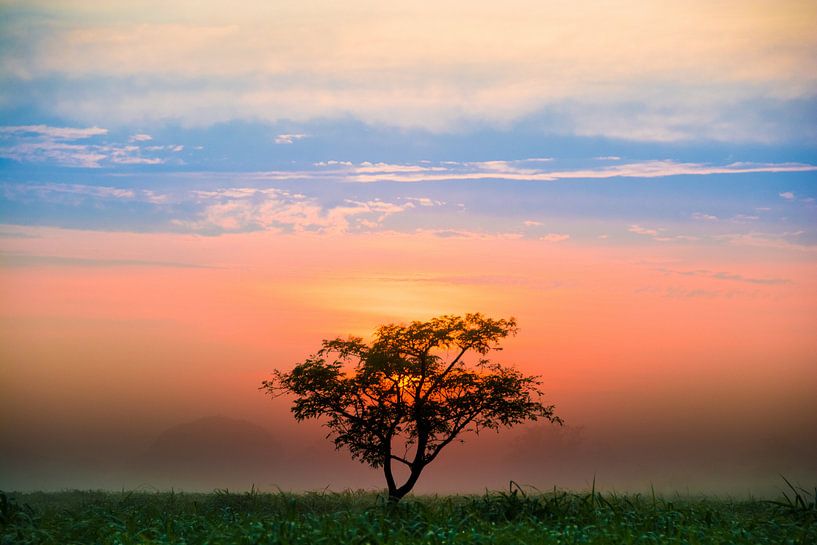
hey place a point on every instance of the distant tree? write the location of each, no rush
(410, 393)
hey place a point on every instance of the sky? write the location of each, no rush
(193, 195)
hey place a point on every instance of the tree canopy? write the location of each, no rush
(404, 397)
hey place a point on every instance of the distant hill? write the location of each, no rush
(210, 452)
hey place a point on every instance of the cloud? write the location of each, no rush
(674, 292)
(387, 168)
(673, 113)
(212, 64)
(175, 148)
(750, 280)
(68, 153)
(238, 209)
(60, 146)
(288, 138)
(424, 201)
(532, 223)
(743, 218)
(333, 163)
(776, 241)
(555, 237)
(48, 151)
(518, 170)
(687, 238)
(659, 235)
(637, 229)
(76, 155)
(467, 234)
(704, 217)
(791, 197)
(54, 192)
(508, 170)
(539, 160)
(719, 275)
(32, 260)
(57, 133)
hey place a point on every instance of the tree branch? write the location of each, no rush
(454, 433)
(451, 365)
(399, 459)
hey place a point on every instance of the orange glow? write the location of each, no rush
(604, 326)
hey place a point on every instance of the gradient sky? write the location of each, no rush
(192, 195)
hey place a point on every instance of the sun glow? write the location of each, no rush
(403, 298)
(405, 382)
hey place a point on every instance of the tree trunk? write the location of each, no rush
(394, 496)
(416, 467)
(392, 486)
(397, 493)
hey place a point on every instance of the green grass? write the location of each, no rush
(512, 517)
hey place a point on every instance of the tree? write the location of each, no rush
(402, 399)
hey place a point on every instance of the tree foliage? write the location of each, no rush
(409, 393)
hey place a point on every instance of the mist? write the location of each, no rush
(221, 452)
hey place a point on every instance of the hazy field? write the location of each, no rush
(363, 517)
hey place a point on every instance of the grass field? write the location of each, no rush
(221, 517)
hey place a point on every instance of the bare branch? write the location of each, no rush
(399, 459)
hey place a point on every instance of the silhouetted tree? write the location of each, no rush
(404, 397)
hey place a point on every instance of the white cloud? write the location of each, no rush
(424, 201)
(788, 195)
(53, 151)
(509, 171)
(53, 192)
(75, 155)
(247, 208)
(386, 168)
(465, 233)
(332, 162)
(659, 234)
(58, 145)
(555, 237)
(778, 241)
(367, 172)
(744, 218)
(140, 137)
(639, 230)
(675, 237)
(288, 138)
(704, 217)
(539, 160)
(175, 148)
(122, 159)
(532, 223)
(61, 133)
